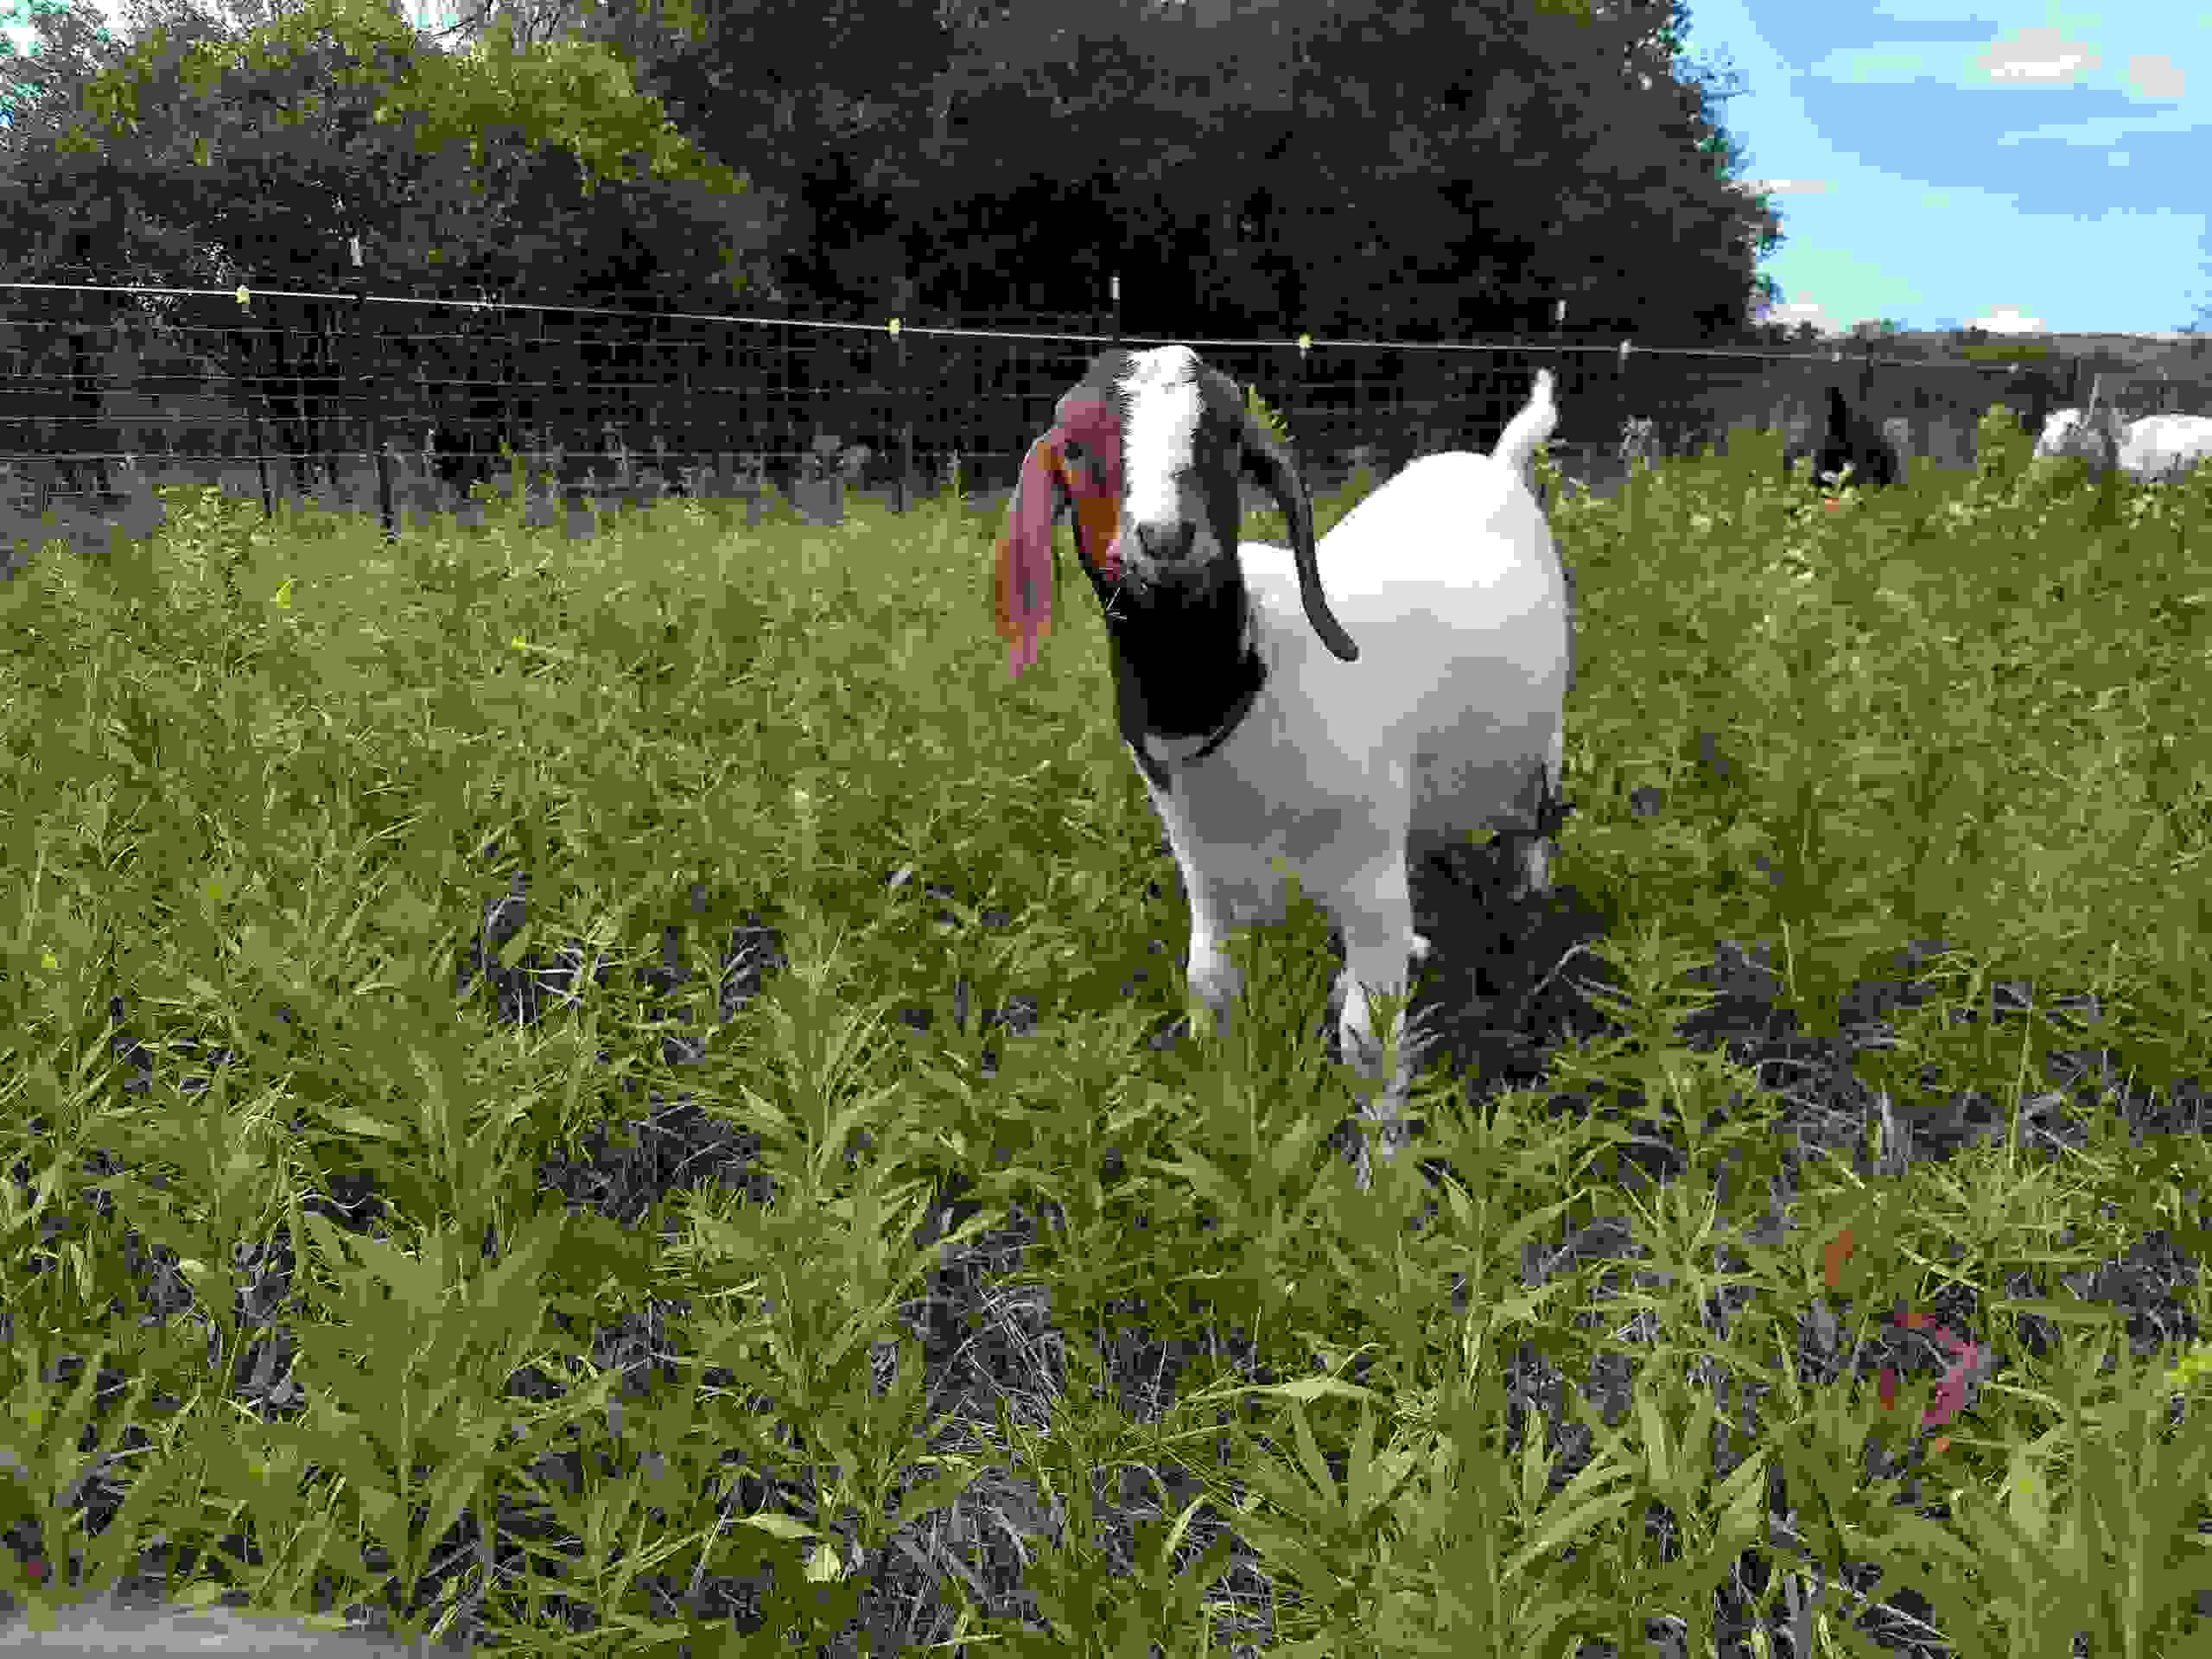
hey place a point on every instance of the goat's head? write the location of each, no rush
(1149, 448)
(2057, 431)
(2093, 433)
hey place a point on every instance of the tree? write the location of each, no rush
(1709, 87)
(1385, 168)
(329, 147)
(72, 45)
(825, 104)
(1438, 165)
(1432, 167)
(505, 168)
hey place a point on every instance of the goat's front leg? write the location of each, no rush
(1214, 979)
(1380, 945)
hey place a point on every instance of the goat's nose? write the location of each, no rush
(1164, 542)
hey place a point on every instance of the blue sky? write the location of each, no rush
(2007, 163)
(1943, 162)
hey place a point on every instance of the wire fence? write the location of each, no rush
(387, 400)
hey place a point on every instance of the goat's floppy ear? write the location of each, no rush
(1269, 461)
(1025, 561)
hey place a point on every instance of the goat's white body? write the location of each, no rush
(1448, 724)
(2155, 446)
(2163, 446)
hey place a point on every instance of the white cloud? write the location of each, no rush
(2027, 59)
(2036, 57)
(1792, 313)
(2158, 78)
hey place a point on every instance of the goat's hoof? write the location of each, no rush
(1370, 1141)
(1377, 1130)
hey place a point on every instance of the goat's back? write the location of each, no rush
(2161, 444)
(1447, 580)
(1458, 521)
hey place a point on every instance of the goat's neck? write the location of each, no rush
(1186, 665)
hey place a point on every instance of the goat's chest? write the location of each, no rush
(1260, 802)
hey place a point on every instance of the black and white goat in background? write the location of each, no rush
(1875, 454)
(1348, 709)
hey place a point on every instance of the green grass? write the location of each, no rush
(603, 1093)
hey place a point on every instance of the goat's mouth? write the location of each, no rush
(1174, 602)
(1177, 581)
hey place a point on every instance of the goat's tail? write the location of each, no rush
(1516, 445)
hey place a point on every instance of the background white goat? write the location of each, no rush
(2165, 446)
(2155, 446)
(1264, 732)
(2058, 437)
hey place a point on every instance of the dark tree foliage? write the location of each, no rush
(337, 122)
(1420, 168)
(332, 149)
(1414, 168)
(1380, 169)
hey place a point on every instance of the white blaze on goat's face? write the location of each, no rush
(1174, 466)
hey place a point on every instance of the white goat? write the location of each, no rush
(2155, 446)
(1266, 736)
(2057, 436)
(2165, 446)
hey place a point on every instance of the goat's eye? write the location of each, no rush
(1076, 451)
